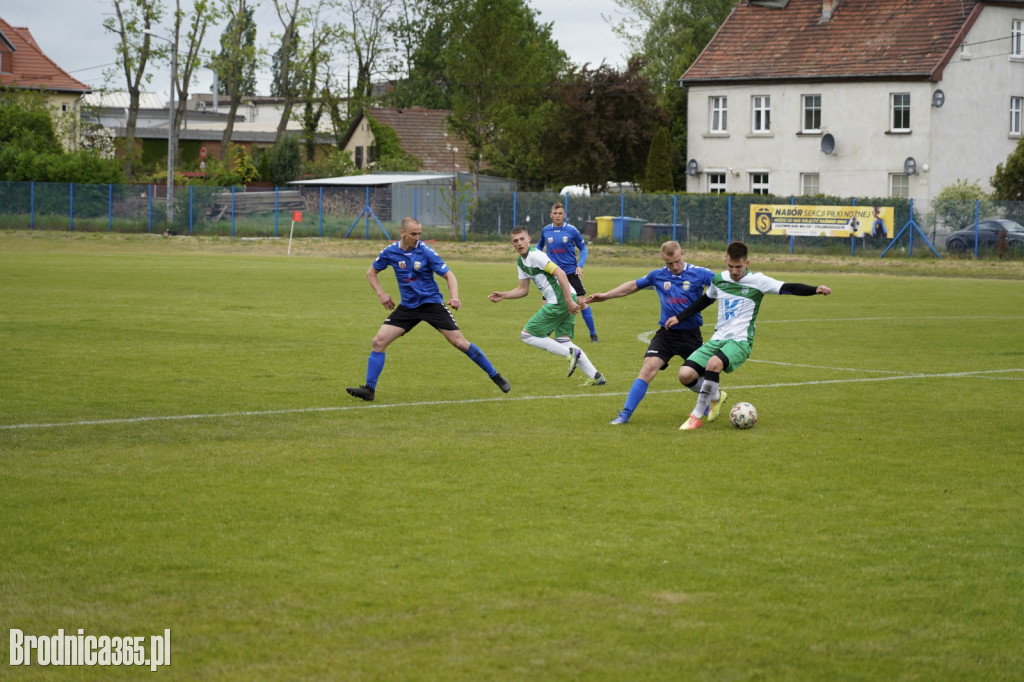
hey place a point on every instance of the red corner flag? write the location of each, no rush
(297, 216)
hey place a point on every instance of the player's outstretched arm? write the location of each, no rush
(624, 289)
(797, 289)
(520, 291)
(700, 304)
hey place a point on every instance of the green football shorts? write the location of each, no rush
(736, 351)
(552, 319)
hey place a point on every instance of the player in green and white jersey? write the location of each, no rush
(739, 293)
(556, 318)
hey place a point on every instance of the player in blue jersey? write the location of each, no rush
(739, 293)
(561, 240)
(415, 265)
(557, 317)
(678, 284)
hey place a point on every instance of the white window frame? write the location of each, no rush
(718, 114)
(899, 112)
(899, 185)
(1016, 109)
(716, 181)
(1017, 39)
(760, 182)
(761, 114)
(810, 184)
(810, 108)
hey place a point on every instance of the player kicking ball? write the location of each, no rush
(739, 293)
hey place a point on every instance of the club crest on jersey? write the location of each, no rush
(565, 239)
(666, 286)
(416, 265)
(745, 290)
(401, 265)
(550, 239)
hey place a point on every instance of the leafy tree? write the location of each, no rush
(287, 63)
(31, 151)
(422, 31)
(954, 205)
(185, 50)
(336, 164)
(498, 61)
(1008, 181)
(285, 161)
(235, 64)
(365, 39)
(519, 153)
(603, 127)
(658, 176)
(134, 48)
(25, 123)
(314, 57)
(671, 34)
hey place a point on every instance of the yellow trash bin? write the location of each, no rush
(604, 226)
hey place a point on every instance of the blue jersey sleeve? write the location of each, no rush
(581, 244)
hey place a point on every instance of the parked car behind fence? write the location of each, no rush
(992, 233)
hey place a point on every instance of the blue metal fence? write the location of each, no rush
(338, 211)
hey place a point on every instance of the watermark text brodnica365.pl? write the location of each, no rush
(82, 649)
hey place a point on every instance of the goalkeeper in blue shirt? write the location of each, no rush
(415, 265)
(561, 240)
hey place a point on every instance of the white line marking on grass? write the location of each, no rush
(834, 369)
(433, 403)
(645, 337)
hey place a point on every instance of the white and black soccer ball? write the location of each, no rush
(743, 415)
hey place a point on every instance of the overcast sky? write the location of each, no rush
(71, 33)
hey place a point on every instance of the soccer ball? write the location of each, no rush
(743, 415)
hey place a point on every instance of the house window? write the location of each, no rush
(719, 111)
(899, 185)
(900, 112)
(812, 114)
(359, 157)
(761, 106)
(6, 60)
(716, 183)
(1016, 104)
(1017, 38)
(759, 183)
(810, 184)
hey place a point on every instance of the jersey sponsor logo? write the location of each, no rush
(731, 306)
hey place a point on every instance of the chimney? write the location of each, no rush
(827, 8)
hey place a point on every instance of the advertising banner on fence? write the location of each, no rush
(822, 221)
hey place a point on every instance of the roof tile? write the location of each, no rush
(31, 69)
(863, 39)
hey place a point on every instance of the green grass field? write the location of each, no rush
(178, 452)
